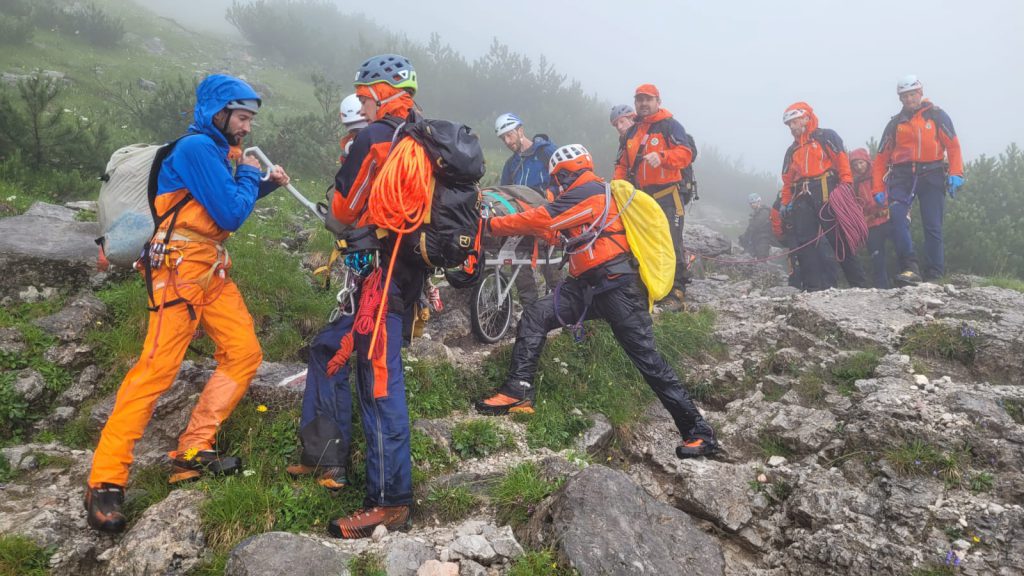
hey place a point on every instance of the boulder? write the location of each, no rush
(168, 539)
(406, 555)
(276, 553)
(29, 384)
(45, 251)
(603, 523)
(73, 322)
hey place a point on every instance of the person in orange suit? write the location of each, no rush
(876, 214)
(814, 166)
(205, 190)
(654, 156)
(921, 154)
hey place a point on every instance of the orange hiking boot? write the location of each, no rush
(103, 508)
(516, 398)
(362, 522)
(186, 467)
(330, 477)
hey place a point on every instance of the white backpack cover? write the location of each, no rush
(125, 219)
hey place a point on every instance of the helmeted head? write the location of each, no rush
(647, 100)
(801, 119)
(754, 200)
(385, 84)
(509, 128)
(225, 106)
(910, 91)
(568, 162)
(622, 117)
(351, 113)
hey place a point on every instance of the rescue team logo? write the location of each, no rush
(654, 141)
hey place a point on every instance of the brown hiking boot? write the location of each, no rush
(330, 477)
(362, 522)
(103, 508)
(674, 302)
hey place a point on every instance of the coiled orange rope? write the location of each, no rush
(399, 201)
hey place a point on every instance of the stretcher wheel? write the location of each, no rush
(491, 318)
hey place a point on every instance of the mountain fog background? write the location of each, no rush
(727, 70)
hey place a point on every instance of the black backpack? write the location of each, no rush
(449, 237)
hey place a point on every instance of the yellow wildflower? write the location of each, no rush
(262, 408)
(976, 539)
(190, 454)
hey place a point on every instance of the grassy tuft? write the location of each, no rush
(852, 368)
(936, 340)
(516, 495)
(20, 556)
(435, 389)
(539, 563)
(368, 564)
(479, 438)
(1008, 282)
(773, 445)
(1015, 408)
(918, 458)
(451, 503)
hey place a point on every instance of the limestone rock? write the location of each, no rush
(168, 539)
(276, 553)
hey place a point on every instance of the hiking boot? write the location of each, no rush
(515, 397)
(695, 447)
(103, 508)
(330, 477)
(186, 467)
(362, 522)
(674, 302)
(907, 278)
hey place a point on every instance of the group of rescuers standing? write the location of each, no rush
(213, 187)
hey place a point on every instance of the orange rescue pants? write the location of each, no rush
(219, 307)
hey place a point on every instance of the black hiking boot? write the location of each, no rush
(514, 398)
(188, 466)
(103, 508)
(695, 447)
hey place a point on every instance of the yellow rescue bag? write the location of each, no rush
(649, 237)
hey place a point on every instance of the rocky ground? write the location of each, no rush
(867, 432)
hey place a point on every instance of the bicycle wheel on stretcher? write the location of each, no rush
(491, 307)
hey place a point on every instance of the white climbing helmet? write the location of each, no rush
(505, 123)
(352, 114)
(908, 83)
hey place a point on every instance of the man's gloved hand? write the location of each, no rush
(785, 209)
(953, 184)
(880, 198)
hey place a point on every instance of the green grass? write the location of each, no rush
(368, 564)
(428, 458)
(479, 438)
(147, 486)
(982, 482)
(20, 556)
(515, 496)
(596, 376)
(918, 458)
(811, 387)
(1015, 408)
(934, 570)
(6, 473)
(1008, 282)
(773, 445)
(539, 563)
(849, 369)
(451, 503)
(435, 389)
(937, 340)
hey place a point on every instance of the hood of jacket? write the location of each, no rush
(212, 95)
(812, 123)
(658, 116)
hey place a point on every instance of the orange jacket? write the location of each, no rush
(346, 144)
(924, 135)
(571, 213)
(353, 181)
(815, 152)
(660, 133)
(776, 218)
(874, 214)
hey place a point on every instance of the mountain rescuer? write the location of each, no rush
(207, 189)
(602, 284)
(876, 214)
(757, 239)
(528, 166)
(385, 86)
(652, 156)
(353, 119)
(921, 153)
(814, 165)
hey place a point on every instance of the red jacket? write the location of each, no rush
(660, 133)
(815, 152)
(924, 135)
(571, 213)
(874, 214)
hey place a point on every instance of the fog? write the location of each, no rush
(727, 70)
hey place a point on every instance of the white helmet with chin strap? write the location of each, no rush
(793, 115)
(506, 123)
(908, 83)
(352, 114)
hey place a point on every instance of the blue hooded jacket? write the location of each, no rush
(530, 169)
(200, 164)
